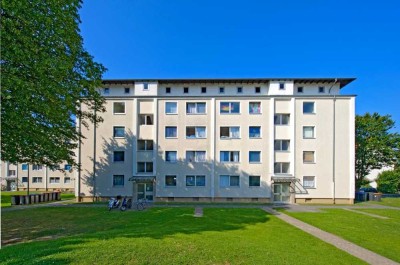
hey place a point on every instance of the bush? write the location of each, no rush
(389, 181)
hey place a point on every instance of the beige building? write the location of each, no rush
(40, 178)
(224, 140)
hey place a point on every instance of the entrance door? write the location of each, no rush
(281, 192)
(145, 190)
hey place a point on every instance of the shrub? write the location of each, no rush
(389, 181)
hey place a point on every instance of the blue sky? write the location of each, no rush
(206, 39)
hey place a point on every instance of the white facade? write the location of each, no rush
(260, 140)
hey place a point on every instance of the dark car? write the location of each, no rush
(370, 189)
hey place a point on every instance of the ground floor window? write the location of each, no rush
(228, 181)
(118, 180)
(37, 179)
(198, 181)
(309, 181)
(24, 179)
(54, 180)
(254, 181)
(67, 180)
(170, 180)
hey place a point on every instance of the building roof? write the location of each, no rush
(342, 81)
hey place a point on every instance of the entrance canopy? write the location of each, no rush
(142, 179)
(283, 179)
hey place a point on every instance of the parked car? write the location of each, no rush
(370, 189)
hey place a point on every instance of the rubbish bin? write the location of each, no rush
(370, 196)
(377, 197)
(37, 198)
(22, 200)
(27, 199)
(32, 198)
(14, 199)
(58, 196)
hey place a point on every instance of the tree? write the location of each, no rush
(46, 75)
(376, 146)
(389, 181)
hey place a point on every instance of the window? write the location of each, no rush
(170, 180)
(203, 90)
(168, 90)
(119, 107)
(300, 89)
(195, 132)
(67, 167)
(222, 90)
(37, 180)
(281, 86)
(240, 90)
(146, 119)
(54, 180)
(195, 156)
(308, 156)
(308, 132)
(229, 156)
(185, 90)
(228, 181)
(309, 182)
(257, 90)
(281, 168)
(254, 156)
(281, 145)
(254, 181)
(281, 119)
(170, 156)
(145, 167)
(321, 89)
(25, 179)
(229, 132)
(145, 86)
(254, 131)
(171, 132)
(119, 156)
(145, 145)
(11, 172)
(55, 168)
(255, 107)
(118, 180)
(119, 132)
(230, 107)
(308, 107)
(171, 108)
(24, 167)
(106, 91)
(67, 180)
(196, 108)
(37, 167)
(127, 90)
(193, 181)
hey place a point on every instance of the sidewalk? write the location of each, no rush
(353, 249)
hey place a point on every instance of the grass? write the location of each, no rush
(394, 202)
(92, 235)
(378, 235)
(6, 196)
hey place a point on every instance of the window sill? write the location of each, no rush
(282, 151)
(252, 187)
(119, 113)
(191, 187)
(229, 113)
(258, 113)
(118, 162)
(310, 138)
(171, 137)
(309, 163)
(258, 162)
(195, 138)
(282, 125)
(145, 150)
(229, 162)
(119, 186)
(255, 137)
(230, 187)
(170, 186)
(311, 113)
(229, 138)
(196, 113)
(171, 113)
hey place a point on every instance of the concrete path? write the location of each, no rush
(357, 251)
(369, 214)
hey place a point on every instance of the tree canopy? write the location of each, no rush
(46, 75)
(376, 146)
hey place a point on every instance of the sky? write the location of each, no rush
(239, 39)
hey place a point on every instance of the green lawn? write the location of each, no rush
(92, 235)
(378, 235)
(394, 202)
(6, 196)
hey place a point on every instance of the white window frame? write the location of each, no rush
(196, 156)
(252, 137)
(37, 178)
(230, 132)
(281, 144)
(165, 180)
(196, 132)
(195, 180)
(114, 156)
(230, 107)
(118, 137)
(197, 111)
(65, 178)
(230, 181)
(281, 167)
(171, 102)
(119, 113)
(37, 167)
(145, 167)
(172, 161)
(231, 155)
(118, 186)
(255, 162)
(255, 113)
(309, 162)
(55, 180)
(314, 107)
(171, 137)
(280, 115)
(313, 129)
(314, 182)
(145, 145)
(259, 178)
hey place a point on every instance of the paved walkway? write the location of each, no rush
(353, 249)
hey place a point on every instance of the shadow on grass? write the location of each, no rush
(96, 224)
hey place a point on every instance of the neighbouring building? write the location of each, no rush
(41, 178)
(224, 140)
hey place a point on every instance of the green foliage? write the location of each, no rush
(45, 72)
(376, 146)
(389, 181)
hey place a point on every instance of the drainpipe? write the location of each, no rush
(94, 156)
(79, 155)
(334, 145)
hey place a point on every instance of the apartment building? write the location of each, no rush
(40, 178)
(281, 140)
